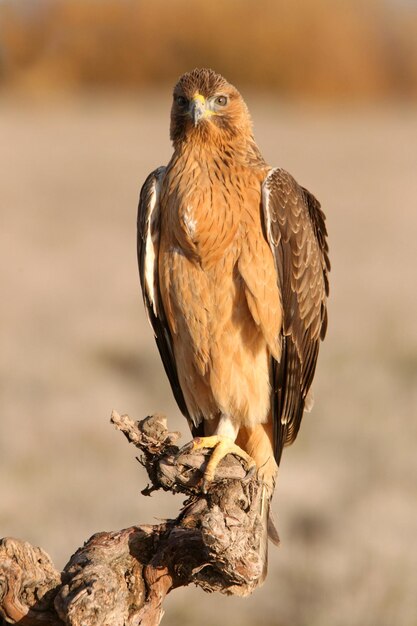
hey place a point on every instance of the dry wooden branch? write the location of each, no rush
(121, 578)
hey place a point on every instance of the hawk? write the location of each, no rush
(233, 264)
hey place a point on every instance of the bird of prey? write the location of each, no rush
(233, 263)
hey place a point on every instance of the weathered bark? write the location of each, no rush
(121, 578)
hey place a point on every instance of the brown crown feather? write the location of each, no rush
(204, 81)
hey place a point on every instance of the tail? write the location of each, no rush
(267, 529)
(258, 442)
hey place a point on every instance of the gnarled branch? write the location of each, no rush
(121, 578)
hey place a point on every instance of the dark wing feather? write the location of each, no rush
(296, 232)
(148, 232)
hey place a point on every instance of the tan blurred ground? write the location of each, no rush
(75, 344)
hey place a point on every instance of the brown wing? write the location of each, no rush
(148, 232)
(296, 232)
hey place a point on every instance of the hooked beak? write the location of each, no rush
(198, 108)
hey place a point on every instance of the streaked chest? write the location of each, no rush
(208, 201)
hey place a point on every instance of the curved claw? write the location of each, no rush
(251, 471)
(185, 449)
(222, 446)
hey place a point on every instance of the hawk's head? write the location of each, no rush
(206, 107)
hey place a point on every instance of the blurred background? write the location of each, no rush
(85, 90)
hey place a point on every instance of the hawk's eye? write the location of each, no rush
(181, 101)
(221, 100)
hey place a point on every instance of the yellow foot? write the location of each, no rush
(222, 446)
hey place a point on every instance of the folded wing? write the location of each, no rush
(296, 232)
(148, 237)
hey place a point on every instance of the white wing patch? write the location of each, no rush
(152, 244)
(189, 221)
(265, 203)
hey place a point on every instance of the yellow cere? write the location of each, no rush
(197, 97)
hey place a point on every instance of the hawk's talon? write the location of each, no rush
(250, 473)
(205, 485)
(222, 446)
(188, 447)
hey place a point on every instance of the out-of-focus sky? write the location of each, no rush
(316, 49)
